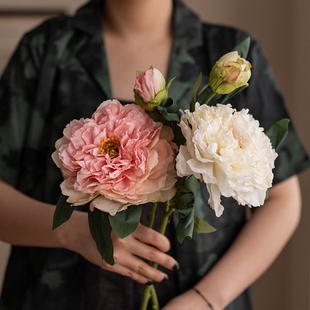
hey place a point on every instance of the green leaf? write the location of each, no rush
(224, 98)
(170, 105)
(125, 222)
(166, 115)
(62, 212)
(179, 139)
(169, 84)
(185, 226)
(196, 86)
(201, 226)
(100, 230)
(205, 92)
(192, 184)
(278, 132)
(243, 47)
(187, 189)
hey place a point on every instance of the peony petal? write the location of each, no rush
(202, 171)
(181, 162)
(106, 205)
(167, 195)
(76, 198)
(215, 199)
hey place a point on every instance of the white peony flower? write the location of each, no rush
(229, 152)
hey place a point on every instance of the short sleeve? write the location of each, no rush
(266, 103)
(17, 115)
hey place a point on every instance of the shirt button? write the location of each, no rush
(188, 271)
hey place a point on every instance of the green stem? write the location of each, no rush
(209, 98)
(152, 215)
(168, 211)
(155, 304)
(163, 225)
(146, 297)
(149, 291)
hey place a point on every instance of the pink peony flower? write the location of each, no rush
(119, 157)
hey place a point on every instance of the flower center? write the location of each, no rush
(109, 146)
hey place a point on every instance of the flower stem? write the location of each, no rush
(146, 297)
(152, 215)
(155, 304)
(209, 98)
(168, 211)
(149, 291)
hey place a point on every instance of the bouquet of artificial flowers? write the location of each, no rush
(123, 157)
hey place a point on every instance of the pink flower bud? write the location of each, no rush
(148, 84)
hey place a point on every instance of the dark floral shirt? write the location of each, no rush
(60, 72)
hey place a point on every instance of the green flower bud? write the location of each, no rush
(230, 72)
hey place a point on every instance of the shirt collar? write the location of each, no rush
(88, 18)
(188, 35)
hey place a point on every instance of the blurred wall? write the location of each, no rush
(283, 28)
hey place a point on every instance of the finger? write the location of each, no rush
(153, 254)
(127, 272)
(150, 236)
(136, 265)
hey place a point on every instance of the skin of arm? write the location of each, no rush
(28, 222)
(253, 251)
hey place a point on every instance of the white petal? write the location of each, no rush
(215, 199)
(181, 162)
(201, 170)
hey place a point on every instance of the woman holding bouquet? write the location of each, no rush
(63, 70)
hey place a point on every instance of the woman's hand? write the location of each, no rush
(187, 301)
(144, 243)
(25, 221)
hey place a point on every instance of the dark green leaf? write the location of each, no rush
(100, 230)
(178, 136)
(62, 212)
(201, 226)
(186, 198)
(192, 184)
(166, 115)
(187, 189)
(196, 86)
(243, 47)
(170, 106)
(185, 226)
(125, 222)
(278, 132)
(205, 92)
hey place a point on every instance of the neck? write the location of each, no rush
(138, 19)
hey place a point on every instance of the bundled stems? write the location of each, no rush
(149, 291)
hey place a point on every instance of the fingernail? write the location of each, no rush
(149, 283)
(176, 266)
(164, 279)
